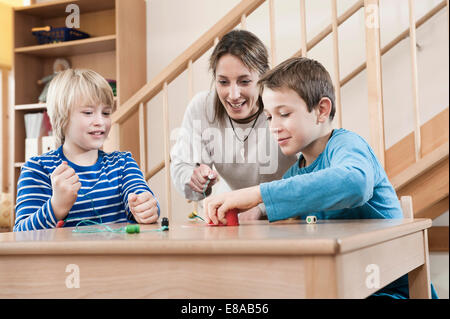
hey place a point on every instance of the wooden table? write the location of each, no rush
(288, 259)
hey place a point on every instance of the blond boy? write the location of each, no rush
(78, 181)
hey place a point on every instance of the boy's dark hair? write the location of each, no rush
(305, 76)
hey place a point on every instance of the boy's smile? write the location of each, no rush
(97, 133)
(87, 129)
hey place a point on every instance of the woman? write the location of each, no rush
(225, 129)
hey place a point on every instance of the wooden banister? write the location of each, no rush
(157, 81)
(155, 170)
(184, 61)
(199, 47)
(244, 22)
(415, 84)
(396, 40)
(233, 18)
(142, 137)
(421, 166)
(195, 51)
(303, 36)
(273, 42)
(374, 78)
(167, 148)
(337, 76)
(190, 80)
(328, 29)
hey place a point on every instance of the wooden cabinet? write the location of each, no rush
(116, 49)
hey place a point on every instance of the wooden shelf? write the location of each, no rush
(118, 37)
(57, 8)
(26, 107)
(37, 106)
(69, 48)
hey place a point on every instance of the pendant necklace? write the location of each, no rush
(242, 151)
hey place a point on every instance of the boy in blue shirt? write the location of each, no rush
(79, 182)
(337, 175)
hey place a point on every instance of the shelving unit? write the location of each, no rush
(84, 46)
(116, 49)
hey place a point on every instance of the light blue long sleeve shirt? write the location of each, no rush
(346, 181)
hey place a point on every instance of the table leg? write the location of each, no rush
(419, 278)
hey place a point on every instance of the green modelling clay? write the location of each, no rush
(131, 229)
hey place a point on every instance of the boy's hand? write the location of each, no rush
(144, 208)
(216, 206)
(200, 177)
(65, 187)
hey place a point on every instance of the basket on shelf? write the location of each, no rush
(52, 35)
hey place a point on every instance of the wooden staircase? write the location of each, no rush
(424, 178)
(417, 165)
(427, 179)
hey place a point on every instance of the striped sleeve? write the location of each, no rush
(34, 191)
(133, 182)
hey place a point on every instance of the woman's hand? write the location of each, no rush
(200, 177)
(216, 206)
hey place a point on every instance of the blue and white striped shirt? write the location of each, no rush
(102, 197)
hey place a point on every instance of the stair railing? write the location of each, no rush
(238, 16)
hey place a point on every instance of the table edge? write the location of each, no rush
(359, 241)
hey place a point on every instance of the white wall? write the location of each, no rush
(172, 25)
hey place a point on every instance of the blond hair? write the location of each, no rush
(72, 87)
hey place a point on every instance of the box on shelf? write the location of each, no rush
(32, 147)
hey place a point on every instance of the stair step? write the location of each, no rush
(421, 166)
(438, 238)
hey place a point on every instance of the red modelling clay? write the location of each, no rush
(231, 217)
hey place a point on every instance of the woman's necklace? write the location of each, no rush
(242, 151)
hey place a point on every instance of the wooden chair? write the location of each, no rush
(407, 206)
(418, 273)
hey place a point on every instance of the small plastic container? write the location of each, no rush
(231, 217)
(59, 35)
